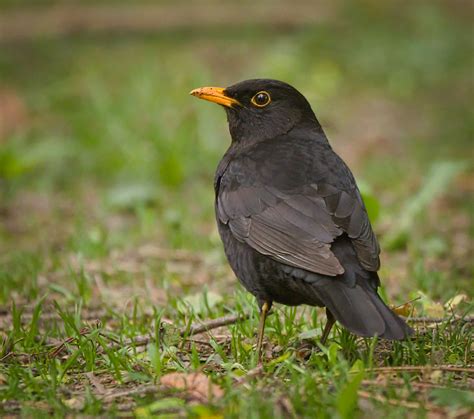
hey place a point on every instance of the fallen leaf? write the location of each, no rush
(404, 310)
(455, 301)
(197, 385)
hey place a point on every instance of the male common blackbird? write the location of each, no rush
(292, 220)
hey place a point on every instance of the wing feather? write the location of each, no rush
(293, 223)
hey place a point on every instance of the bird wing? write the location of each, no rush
(286, 207)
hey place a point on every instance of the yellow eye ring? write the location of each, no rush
(261, 99)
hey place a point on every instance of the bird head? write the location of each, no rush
(260, 109)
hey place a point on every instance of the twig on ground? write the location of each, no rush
(423, 368)
(195, 329)
(408, 302)
(467, 319)
(137, 341)
(141, 390)
(199, 342)
(55, 351)
(415, 384)
(212, 324)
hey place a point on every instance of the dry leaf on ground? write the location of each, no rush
(196, 384)
(453, 302)
(404, 310)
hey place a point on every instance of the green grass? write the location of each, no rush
(107, 228)
(44, 366)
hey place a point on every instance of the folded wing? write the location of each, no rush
(297, 226)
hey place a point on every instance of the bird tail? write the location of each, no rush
(361, 310)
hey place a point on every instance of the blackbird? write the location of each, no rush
(292, 220)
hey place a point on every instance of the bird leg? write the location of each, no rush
(329, 324)
(261, 328)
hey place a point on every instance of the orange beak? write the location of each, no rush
(216, 95)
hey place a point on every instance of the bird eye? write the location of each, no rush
(261, 99)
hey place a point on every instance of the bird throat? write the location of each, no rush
(245, 131)
(251, 130)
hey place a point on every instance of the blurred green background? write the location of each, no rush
(102, 149)
(107, 232)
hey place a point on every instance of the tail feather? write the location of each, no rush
(362, 311)
(352, 297)
(395, 327)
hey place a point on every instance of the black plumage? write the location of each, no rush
(292, 220)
